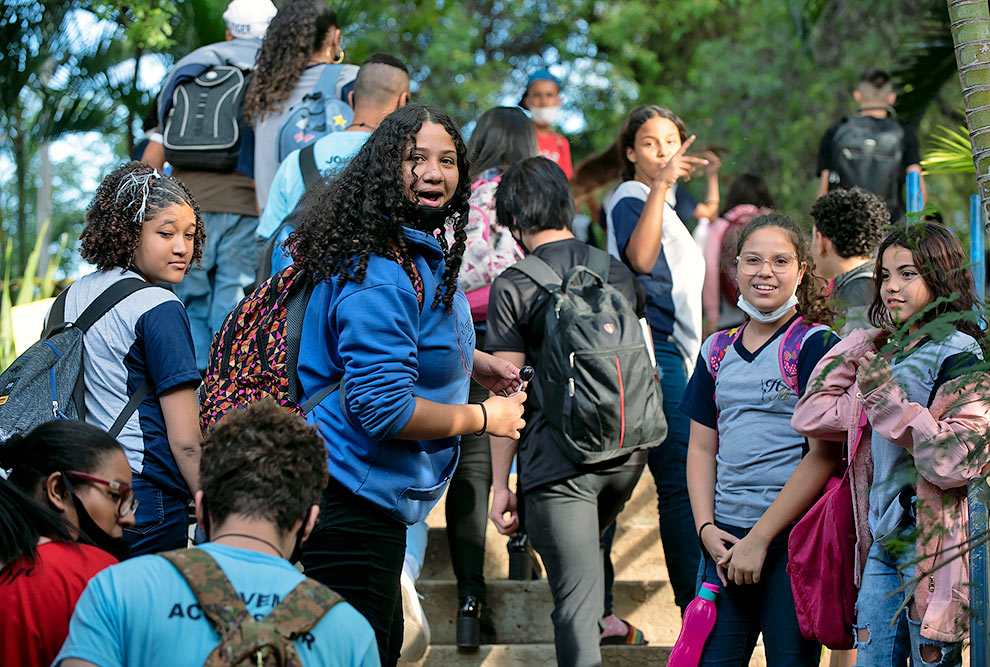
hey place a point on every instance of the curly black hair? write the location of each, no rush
(362, 209)
(114, 220)
(297, 31)
(262, 462)
(810, 293)
(853, 220)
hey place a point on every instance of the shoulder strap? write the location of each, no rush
(132, 404)
(56, 317)
(109, 298)
(599, 261)
(213, 590)
(328, 80)
(303, 608)
(790, 350)
(307, 165)
(541, 273)
(720, 344)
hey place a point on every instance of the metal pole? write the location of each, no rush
(914, 202)
(978, 491)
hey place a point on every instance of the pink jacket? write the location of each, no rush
(948, 443)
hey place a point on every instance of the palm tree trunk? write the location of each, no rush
(970, 26)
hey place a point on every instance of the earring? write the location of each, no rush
(339, 58)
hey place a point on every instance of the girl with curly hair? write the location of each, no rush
(750, 474)
(302, 40)
(921, 385)
(387, 323)
(139, 357)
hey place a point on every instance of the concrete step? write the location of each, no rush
(641, 508)
(530, 655)
(636, 553)
(521, 610)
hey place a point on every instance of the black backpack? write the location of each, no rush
(46, 382)
(310, 173)
(203, 127)
(595, 380)
(868, 153)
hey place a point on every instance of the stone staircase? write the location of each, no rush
(521, 609)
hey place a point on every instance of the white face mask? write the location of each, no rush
(766, 318)
(545, 115)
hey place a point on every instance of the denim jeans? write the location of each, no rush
(161, 521)
(230, 259)
(668, 464)
(416, 537)
(743, 612)
(877, 605)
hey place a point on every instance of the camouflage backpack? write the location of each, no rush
(243, 639)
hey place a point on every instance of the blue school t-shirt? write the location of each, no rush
(145, 337)
(142, 612)
(920, 371)
(751, 408)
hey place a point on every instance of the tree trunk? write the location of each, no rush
(44, 205)
(21, 185)
(138, 52)
(970, 26)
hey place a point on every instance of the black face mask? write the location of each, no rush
(432, 218)
(91, 533)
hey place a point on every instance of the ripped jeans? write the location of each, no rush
(878, 643)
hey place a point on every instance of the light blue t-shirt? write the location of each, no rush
(330, 152)
(142, 612)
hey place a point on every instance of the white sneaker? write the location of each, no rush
(415, 631)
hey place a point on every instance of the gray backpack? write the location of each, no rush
(46, 382)
(595, 381)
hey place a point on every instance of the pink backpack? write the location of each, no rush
(821, 561)
(790, 349)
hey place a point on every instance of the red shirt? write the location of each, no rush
(556, 148)
(37, 600)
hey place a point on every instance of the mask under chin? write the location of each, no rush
(91, 533)
(431, 218)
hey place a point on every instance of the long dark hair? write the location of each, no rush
(811, 301)
(944, 268)
(55, 446)
(22, 522)
(363, 208)
(294, 35)
(502, 137)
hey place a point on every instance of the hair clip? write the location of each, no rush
(139, 186)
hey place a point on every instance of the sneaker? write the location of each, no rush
(415, 630)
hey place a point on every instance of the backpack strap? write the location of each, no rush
(132, 404)
(303, 608)
(540, 272)
(599, 261)
(213, 590)
(723, 340)
(109, 298)
(328, 81)
(56, 317)
(307, 165)
(790, 350)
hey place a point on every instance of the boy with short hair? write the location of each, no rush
(262, 472)
(870, 149)
(848, 227)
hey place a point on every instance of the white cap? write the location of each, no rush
(249, 19)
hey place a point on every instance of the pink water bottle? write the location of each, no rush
(699, 619)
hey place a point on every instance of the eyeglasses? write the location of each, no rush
(750, 263)
(126, 502)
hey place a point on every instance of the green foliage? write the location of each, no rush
(951, 153)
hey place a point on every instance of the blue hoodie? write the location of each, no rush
(388, 352)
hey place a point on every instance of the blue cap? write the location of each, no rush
(540, 75)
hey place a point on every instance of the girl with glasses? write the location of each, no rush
(62, 514)
(750, 475)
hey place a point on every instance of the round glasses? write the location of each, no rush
(126, 502)
(751, 263)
